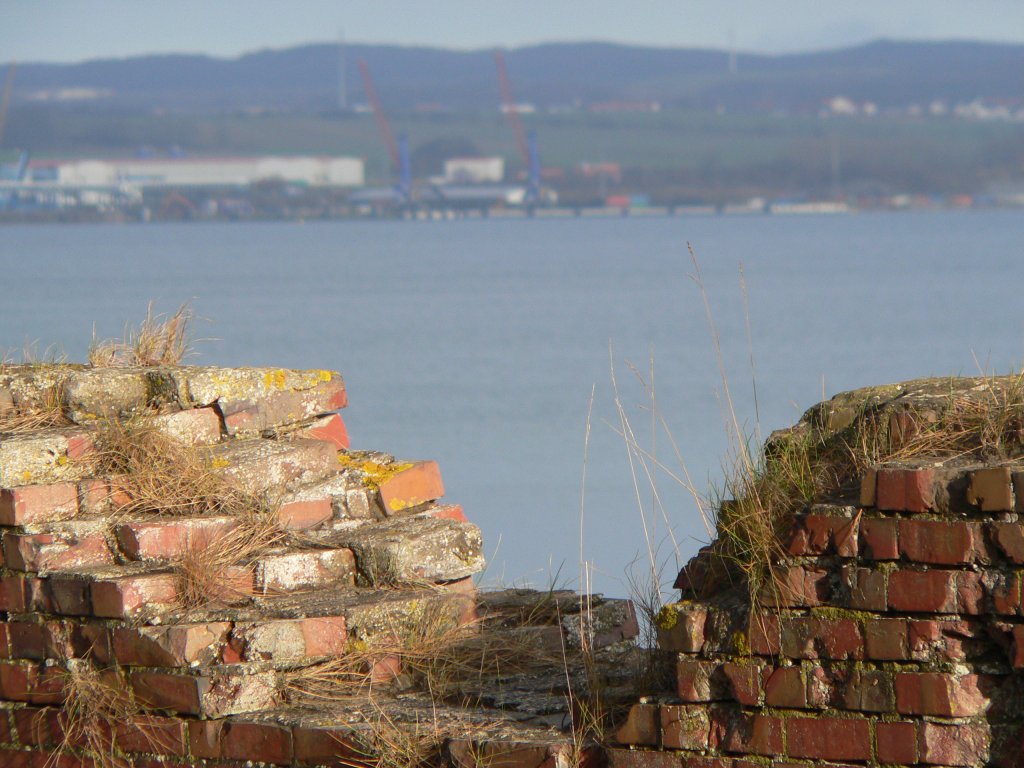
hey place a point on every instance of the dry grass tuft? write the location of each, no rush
(218, 571)
(158, 475)
(95, 705)
(389, 744)
(159, 340)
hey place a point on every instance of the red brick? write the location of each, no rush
(869, 690)
(446, 512)
(302, 515)
(30, 682)
(764, 635)
(867, 488)
(57, 594)
(80, 445)
(54, 552)
(886, 639)
(960, 745)
(1006, 593)
(640, 727)
(828, 738)
(204, 738)
(324, 636)
(786, 688)
(970, 593)
(755, 735)
(867, 588)
(316, 745)
(127, 596)
(411, 487)
(262, 742)
(693, 680)
(813, 638)
(1009, 537)
(178, 693)
(169, 539)
(991, 489)
(745, 682)
(32, 504)
(905, 490)
(939, 542)
(826, 534)
(896, 742)
(27, 640)
(684, 727)
(37, 727)
(931, 591)
(171, 646)
(935, 693)
(330, 428)
(878, 538)
(13, 758)
(796, 587)
(151, 734)
(1018, 646)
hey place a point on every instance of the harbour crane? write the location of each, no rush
(398, 150)
(529, 149)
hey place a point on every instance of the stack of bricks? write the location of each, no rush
(91, 589)
(893, 636)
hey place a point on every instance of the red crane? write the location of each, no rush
(378, 115)
(511, 110)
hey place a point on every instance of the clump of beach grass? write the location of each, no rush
(159, 340)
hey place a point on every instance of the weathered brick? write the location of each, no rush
(33, 504)
(813, 638)
(151, 734)
(31, 682)
(1018, 647)
(316, 745)
(194, 426)
(265, 742)
(786, 688)
(55, 551)
(693, 679)
(216, 697)
(991, 489)
(896, 742)
(324, 635)
(305, 569)
(879, 539)
(755, 735)
(936, 693)
(931, 591)
(869, 690)
(329, 428)
(959, 745)
(680, 627)
(826, 534)
(640, 727)
(411, 487)
(1005, 590)
(763, 634)
(745, 682)
(170, 646)
(796, 587)
(886, 639)
(828, 738)
(58, 594)
(275, 409)
(867, 488)
(1009, 537)
(128, 596)
(905, 490)
(868, 588)
(305, 514)
(168, 539)
(684, 727)
(970, 592)
(939, 542)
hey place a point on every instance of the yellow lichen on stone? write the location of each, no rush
(667, 617)
(219, 463)
(375, 473)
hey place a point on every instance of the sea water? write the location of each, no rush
(492, 346)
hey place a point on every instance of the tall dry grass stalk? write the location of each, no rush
(159, 340)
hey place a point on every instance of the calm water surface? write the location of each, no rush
(478, 343)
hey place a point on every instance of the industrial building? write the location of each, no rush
(474, 170)
(200, 172)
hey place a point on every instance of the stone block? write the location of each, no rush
(195, 426)
(43, 457)
(263, 465)
(293, 571)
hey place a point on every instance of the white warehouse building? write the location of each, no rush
(474, 170)
(199, 172)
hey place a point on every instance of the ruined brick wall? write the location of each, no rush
(894, 637)
(102, 661)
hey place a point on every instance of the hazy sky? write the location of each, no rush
(71, 30)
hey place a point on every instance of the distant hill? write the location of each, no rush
(304, 78)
